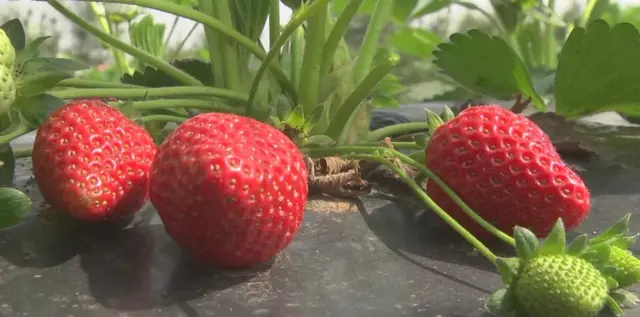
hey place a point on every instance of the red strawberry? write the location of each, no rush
(92, 162)
(507, 170)
(229, 189)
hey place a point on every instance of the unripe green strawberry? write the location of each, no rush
(628, 272)
(7, 89)
(560, 285)
(7, 52)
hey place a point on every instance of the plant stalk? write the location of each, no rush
(309, 88)
(381, 15)
(397, 129)
(141, 93)
(226, 46)
(337, 34)
(161, 118)
(118, 56)
(88, 83)
(213, 40)
(163, 104)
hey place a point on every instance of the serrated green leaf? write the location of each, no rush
(52, 64)
(8, 165)
(38, 83)
(152, 77)
(598, 69)
(433, 121)
(36, 109)
(14, 205)
(500, 302)
(447, 114)
(578, 245)
(421, 139)
(415, 42)
(508, 269)
(556, 241)
(486, 65)
(31, 50)
(15, 32)
(319, 140)
(526, 243)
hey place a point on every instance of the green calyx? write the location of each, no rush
(7, 51)
(551, 278)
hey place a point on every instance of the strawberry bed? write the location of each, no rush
(373, 256)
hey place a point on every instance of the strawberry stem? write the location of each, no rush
(160, 104)
(397, 129)
(484, 250)
(349, 150)
(142, 93)
(160, 118)
(18, 130)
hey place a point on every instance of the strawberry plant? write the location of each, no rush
(257, 128)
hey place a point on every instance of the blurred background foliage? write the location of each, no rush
(413, 80)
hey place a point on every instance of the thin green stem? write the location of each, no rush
(189, 13)
(397, 145)
(350, 105)
(135, 52)
(369, 47)
(309, 88)
(213, 41)
(397, 129)
(88, 83)
(161, 118)
(426, 199)
(141, 93)
(183, 103)
(297, 51)
(22, 152)
(176, 53)
(118, 56)
(346, 150)
(289, 29)
(19, 130)
(337, 34)
(274, 21)
(227, 47)
(551, 43)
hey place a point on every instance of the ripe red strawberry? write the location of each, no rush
(92, 162)
(507, 170)
(229, 189)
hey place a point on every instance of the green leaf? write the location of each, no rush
(578, 245)
(51, 64)
(319, 141)
(612, 304)
(508, 12)
(626, 242)
(486, 65)
(431, 7)
(447, 114)
(15, 32)
(421, 139)
(556, 241)
(41, 82)
(14, 205)
(31, 50)
(501, 302)
(8, 167)
(152, 77)
(414, 41)
(433, 121)
(598, 254)
(526, 243)
(619, 228)
(418, 156)
(508, 268)
(598, 69)
(609, 270)
(147, 36)
(402, 9)
(624, 297)
(36, 109)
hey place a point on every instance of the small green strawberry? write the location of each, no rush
(550, 279)
(7, 52)
(7, 89)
